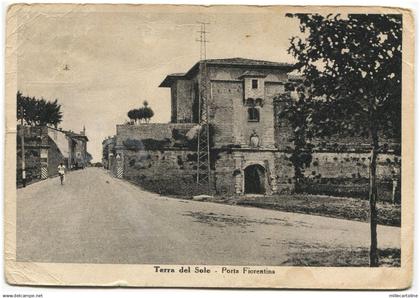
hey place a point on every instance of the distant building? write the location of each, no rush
(47, 147)
(78, 157)
(108, 152)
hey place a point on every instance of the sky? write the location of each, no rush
(118, 55)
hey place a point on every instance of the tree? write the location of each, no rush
(132, 115)
(38, 111)
(296, 112)
(147, 111)
(351, 67)
(139, 114)
(144, 113)
(49, 113)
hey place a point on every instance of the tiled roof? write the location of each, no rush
(69, 133)
(167, 82)
(247, 62)
(239, 62)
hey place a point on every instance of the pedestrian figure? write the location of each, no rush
(61, 172)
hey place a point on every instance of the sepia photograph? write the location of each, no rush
(212, 143)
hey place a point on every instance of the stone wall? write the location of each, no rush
(163, 132)
(347, 174)
(231, 164)
(173, 171)
(351, 165)
(224, 172)
(285, 173)
(339, 165)
(162, 171)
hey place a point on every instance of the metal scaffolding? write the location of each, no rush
(203, 138)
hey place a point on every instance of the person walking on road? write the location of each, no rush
(61, 172)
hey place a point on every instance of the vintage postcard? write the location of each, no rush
(219, 146)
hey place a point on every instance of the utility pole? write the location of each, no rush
(203, 137)
(22, 141)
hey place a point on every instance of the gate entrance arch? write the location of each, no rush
(254, 179)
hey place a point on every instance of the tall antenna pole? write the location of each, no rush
(203, 138)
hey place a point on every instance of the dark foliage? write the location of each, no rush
(352, 73)
(351, 67)
(38, 112)
(144, 113)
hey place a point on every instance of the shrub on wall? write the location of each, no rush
(146, 144)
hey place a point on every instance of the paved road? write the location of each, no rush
(95, 218)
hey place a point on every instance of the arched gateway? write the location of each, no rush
(254, 179)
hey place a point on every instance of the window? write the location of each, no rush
(253, 115)
(250, 102)
(254, 84)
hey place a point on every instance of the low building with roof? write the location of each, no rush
(45, 148)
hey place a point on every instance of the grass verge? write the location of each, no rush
(337, 207)
(344, 257)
